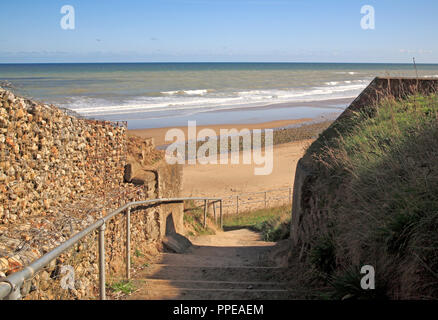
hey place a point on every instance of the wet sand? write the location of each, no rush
(158, 134)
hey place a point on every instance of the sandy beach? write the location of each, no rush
(231, 179)
(225, 180)
(158, 134)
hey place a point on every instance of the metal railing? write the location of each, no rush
(257, 200)
(11, 285)
(205, 205)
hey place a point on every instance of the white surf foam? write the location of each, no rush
(205, 100)
(196, 92)
(351, 73)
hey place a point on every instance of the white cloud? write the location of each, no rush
(417, 51)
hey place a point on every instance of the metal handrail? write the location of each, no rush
(11, 285)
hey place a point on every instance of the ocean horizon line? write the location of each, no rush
(221, 62)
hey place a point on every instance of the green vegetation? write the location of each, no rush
(194, 220)
(273, 223)
(378, 188)
(323, 255)
(136, 257)
(126, 287)
(138, 253)
(346, 285)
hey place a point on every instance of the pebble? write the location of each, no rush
(51, 166)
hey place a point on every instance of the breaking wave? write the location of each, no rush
(207, 99)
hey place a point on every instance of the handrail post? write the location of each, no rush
(128, 243)
(214, 212)
(205, 214)
(221, 217)
(237, 204)
(102, 262)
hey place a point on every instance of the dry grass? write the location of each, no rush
(379, 190)
(194, 220)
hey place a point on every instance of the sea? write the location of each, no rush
(153, 95)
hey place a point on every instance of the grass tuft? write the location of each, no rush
(126, 287)
(323, 256)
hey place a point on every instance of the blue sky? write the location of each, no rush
(219, 30)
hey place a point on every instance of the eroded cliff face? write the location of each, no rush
(316, 199)
(58, 174)
(308, 215)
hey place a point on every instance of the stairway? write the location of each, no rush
(226, 266)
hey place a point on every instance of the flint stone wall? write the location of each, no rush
(58, 174)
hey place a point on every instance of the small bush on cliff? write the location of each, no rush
(323, 256)
(382, 204)
(345, 285)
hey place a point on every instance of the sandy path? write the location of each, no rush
(222, 180)
(228, 265)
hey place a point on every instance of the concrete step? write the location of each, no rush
(227, 266)
(213, 273)
(210, 285)
(205, 260)
(152, 293)
(236, 251)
